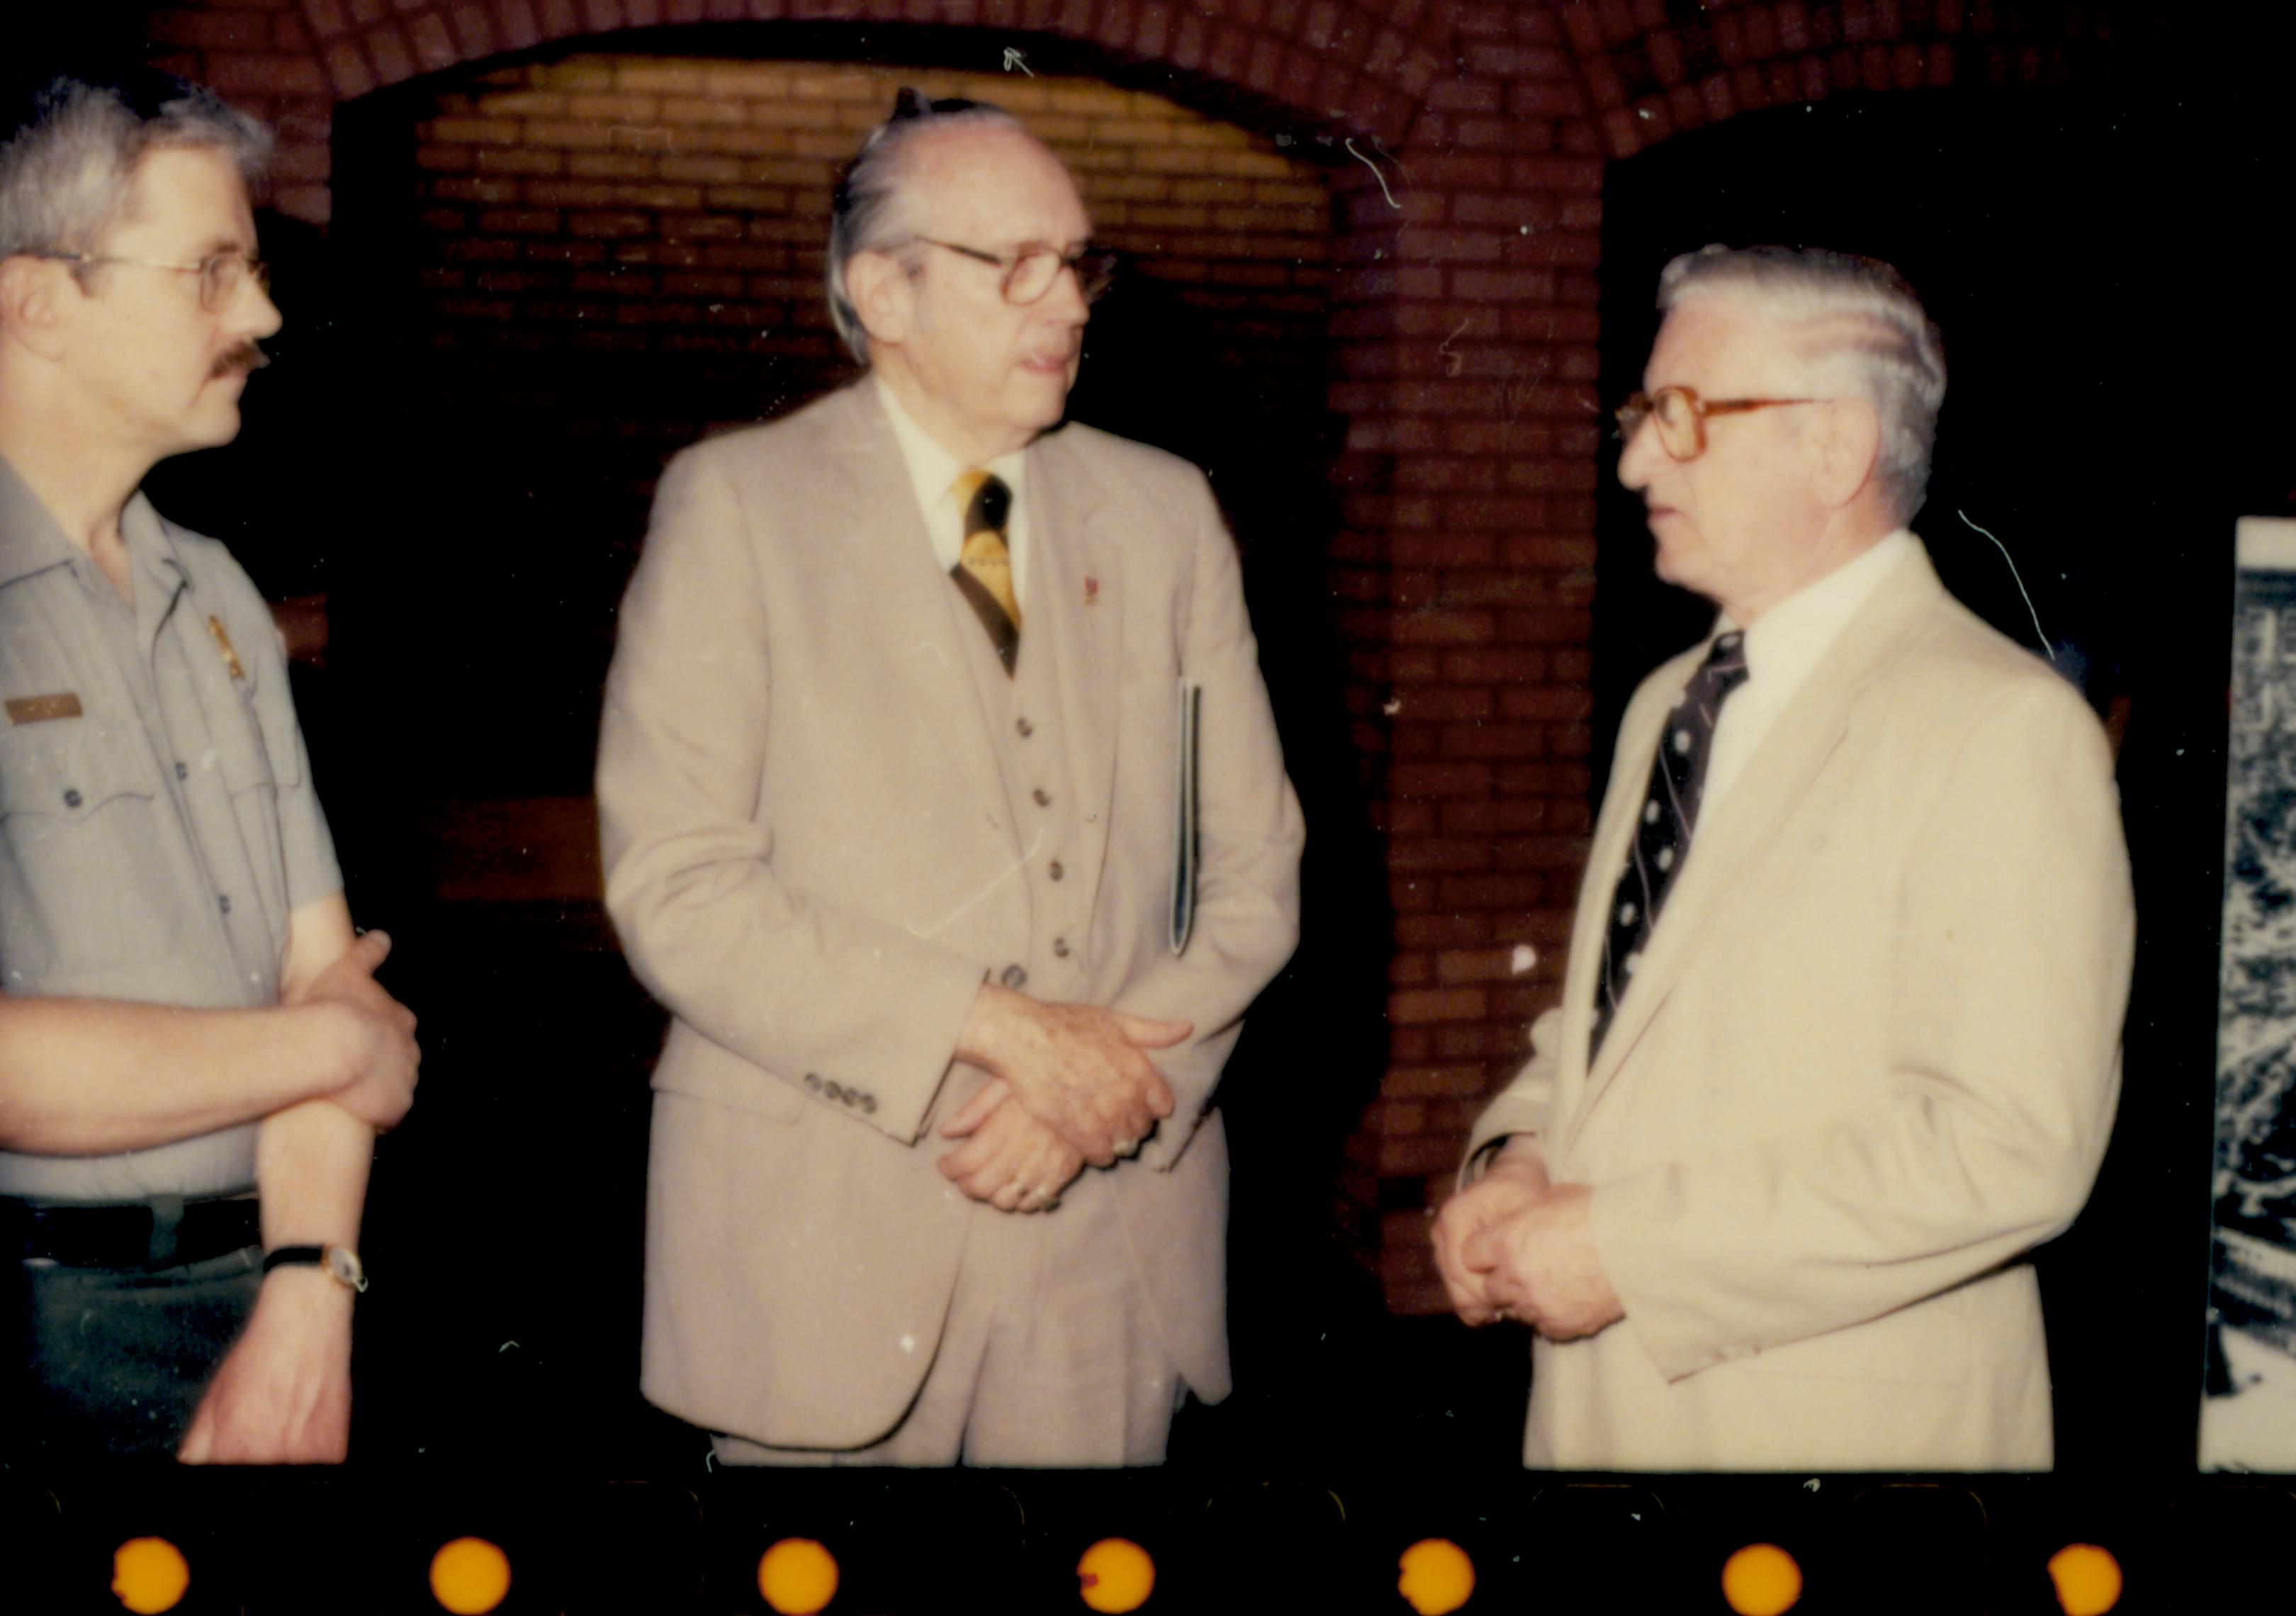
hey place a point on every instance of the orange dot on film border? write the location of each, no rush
(2087, 1580)
(1761, 1579)
(470, 1577)
(798, 1577)
(1115, 1575)
(150, 1575)
(1438, 1577)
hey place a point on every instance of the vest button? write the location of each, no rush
(1013, 977)
(1054, 872)
(72, 797)
(1025, 727)
(1044, 797)
(1060, 948)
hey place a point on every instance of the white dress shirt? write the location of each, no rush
(1781, 646)
(935, 471)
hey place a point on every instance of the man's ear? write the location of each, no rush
(882, 295)
(1845, 446)
(30, 311)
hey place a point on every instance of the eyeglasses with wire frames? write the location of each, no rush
(221, 274)
(1030, 273)
(1680, 414)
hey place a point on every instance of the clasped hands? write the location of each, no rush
(1514, 1245)
(1068, 1084)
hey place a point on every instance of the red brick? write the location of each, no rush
(1440, 780)
(1422, 1005)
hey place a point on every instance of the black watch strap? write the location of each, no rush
(338, 1263)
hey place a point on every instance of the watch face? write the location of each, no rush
(345, 1268)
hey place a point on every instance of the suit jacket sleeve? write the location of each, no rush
(1250, 835)
(743, 956)
(2014, 935)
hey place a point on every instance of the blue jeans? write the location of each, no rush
(113, 1361)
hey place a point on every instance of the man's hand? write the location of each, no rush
(1009, 1159)
(1512, 1182)
(1078, 1068)
(384, 1056)
(1540, 1266)
(283, 1395)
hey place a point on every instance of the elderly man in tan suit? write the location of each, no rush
(943, 808)
(1839, 1038)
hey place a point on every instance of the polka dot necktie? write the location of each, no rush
(1662, 831)
(984, 568)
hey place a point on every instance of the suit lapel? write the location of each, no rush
(867, 493)
(1776, 777)
(1076, 610)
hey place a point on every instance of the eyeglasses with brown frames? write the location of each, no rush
(1680, 414)
(1030, 273)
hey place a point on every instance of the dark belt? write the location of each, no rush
(163, 1232)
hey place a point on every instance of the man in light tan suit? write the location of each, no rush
(1766, 1188)
(889, 783)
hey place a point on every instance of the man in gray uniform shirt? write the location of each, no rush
(188, 1015)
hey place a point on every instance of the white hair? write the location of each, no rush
(68, 168)
(1855, 314)
(869, 211)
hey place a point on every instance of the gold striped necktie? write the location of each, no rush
(984, 567)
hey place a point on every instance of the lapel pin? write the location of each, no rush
(223, 644)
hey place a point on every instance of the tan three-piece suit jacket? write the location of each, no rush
(1868, 1059)
(814, 861)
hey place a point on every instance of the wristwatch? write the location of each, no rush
(341, 1263)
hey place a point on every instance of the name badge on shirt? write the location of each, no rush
(39, 710)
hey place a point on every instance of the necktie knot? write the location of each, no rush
(983, 572)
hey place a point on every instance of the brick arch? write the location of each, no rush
(1360, 63)
(1647, 70)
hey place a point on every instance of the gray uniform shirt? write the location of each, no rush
(157, 821)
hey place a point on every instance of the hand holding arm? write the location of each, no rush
(283, 1394)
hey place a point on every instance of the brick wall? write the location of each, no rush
(1465, 145)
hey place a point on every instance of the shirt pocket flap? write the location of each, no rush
(69, 768)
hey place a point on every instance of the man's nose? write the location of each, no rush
(1635, 465)
(1066, 300)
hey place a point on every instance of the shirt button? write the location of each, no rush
(1044, 797)
(1060, 948)
(183, 770)
(223, 902)
(72, 796)
(1013, 977)
(1054, 872)
(1025, 727)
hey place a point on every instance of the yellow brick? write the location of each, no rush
(701, 109)
(614, 109)
(661, 78)
(756, 80)
(1075, 96)
(1132, 132)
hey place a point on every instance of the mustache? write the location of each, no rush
(243, 360)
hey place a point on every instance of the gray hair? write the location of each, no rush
(1858, 312)
(868, 212)
(68, 168)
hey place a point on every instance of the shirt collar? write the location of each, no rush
(1786, 641)
(30, 540)
(932, 468)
